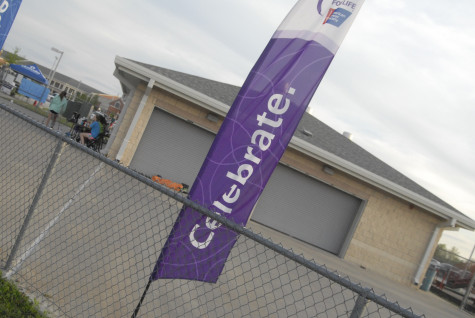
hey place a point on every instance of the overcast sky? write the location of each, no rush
(402, 82)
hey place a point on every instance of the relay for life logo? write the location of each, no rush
(336, 16)
(33, 69)
(3, 8)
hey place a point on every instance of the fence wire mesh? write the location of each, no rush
(82, 234)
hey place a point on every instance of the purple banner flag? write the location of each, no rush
(254, 136)
(8, 11)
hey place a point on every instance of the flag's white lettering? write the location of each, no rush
(3, 7)
(263, 140)
(349, 4)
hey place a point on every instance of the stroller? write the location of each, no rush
(74, 131)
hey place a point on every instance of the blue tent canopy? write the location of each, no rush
(32, 71)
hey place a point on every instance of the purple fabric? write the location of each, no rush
(246, 150)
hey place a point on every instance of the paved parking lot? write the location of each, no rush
(421, 302)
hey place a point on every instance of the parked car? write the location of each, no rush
(465, 274)
(447, 269)
(453, 276)
(435, 263)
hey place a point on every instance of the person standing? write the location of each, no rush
(57, 106)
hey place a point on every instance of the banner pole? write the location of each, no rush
(134, 315)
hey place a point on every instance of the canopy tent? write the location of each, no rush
(33, 90)
(32, 71)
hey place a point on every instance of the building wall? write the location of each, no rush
(115, 107)
(391, 235)
(59, 86)
(124, 125)
(164, 100)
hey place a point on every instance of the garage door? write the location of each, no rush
(307, 209)
(292, 203)
(172, 148)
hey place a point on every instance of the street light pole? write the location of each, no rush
(60, 56)
(54, 71)
(51, 69)
(77, 91)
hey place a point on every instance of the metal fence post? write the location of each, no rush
(32, 208)
(470, 285)
(360, 306)
(468, 292)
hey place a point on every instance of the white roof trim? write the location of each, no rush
(172, 86)
(298, 144)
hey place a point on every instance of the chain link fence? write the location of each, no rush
(452, 278)
(82, 234)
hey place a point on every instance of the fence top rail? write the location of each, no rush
(367, 293)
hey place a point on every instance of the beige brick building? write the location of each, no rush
(388, 224)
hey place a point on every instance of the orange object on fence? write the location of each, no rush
(168, 183)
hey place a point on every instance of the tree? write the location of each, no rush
(440, 253)
(95, 101)
(90, 98)
(81, 97)
(444, 255)
(455, 251)
(13, 57)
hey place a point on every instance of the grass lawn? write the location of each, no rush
(14, 303)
